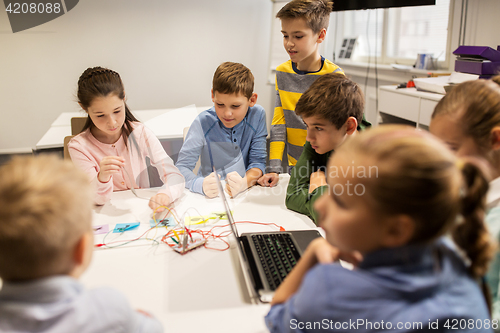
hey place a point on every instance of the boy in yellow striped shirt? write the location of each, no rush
(304, 24)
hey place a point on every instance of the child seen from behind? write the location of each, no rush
(393, 192)
(467, 119)
(46, 243)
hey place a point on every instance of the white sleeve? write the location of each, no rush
(172, 178)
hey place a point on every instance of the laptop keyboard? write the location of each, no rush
(277, 254)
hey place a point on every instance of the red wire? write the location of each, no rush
(207, 235)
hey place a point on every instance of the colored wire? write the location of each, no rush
(172, 239)
(123, 242)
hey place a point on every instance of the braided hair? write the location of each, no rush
(419, 177)
(101, 82)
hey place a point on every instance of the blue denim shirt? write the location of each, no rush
(239, 149)
(61, 304)
(406, 288)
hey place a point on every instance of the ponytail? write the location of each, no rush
(418, 176)
(471, 233)
(496, 79)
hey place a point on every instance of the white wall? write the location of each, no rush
(483, 23)
(166, 52)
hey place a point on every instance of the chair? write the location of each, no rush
(66, 141)
(198, 163)
(77, 124)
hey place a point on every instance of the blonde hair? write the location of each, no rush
(419, 177)
(45, 209)
(316, 13)
(233, 78)
(477, 104)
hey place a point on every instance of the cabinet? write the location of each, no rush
(408, 104)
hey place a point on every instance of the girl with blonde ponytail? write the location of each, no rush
(394, 193)
(467, 119)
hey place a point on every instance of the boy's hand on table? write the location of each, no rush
(317, 179)
(210, 186)
(159, 199)
(235, 183)
(269, 179)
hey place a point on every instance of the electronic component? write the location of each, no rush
(166, 222)
(214, 217)
(191, 245)
(122, 227)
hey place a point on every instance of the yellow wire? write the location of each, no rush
(156, 222)
(169, 210)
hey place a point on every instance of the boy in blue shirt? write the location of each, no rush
(46, 243)
(230, 136)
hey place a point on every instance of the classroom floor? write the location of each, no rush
(390, 119)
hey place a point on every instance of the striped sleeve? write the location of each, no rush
(278, 137)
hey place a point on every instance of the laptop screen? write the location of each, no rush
(228, 211)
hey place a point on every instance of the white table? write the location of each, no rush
(408, 103)
(165, 123)
(201, 291)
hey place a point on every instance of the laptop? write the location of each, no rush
(266, 258)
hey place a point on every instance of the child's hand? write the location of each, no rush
(160, 199)
(108, 166)
(210, 186)
(317, 179)
(269, 179)
(235, 183)
(318, 251)
(326, 253)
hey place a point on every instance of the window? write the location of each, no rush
(366, 26)
(399, 34)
